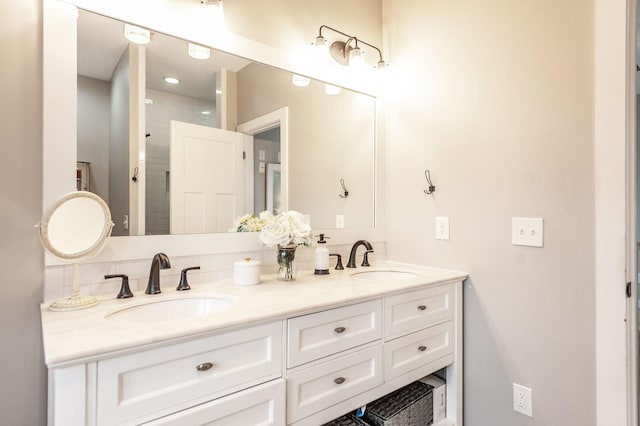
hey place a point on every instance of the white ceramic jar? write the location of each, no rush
(246, 272)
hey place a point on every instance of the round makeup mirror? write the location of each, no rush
(75, 228)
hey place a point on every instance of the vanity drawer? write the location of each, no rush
(315, 336)
(417, 349)
(417, 309)
(326, 384)
(148, 384)
(262, 405)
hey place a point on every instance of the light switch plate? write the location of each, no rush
(339, 221)
(527, 231)
(442, 228)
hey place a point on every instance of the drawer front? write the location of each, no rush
(159, 381)
(262, 405)
(315, 336)
(325, 384)
(417, 309)
(407, 353)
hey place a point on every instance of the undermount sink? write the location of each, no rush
(172, 309)
(384, 275)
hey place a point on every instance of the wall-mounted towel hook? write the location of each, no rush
(345, 193)
(431, 189)
(136, 171)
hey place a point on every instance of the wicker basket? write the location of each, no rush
(347, 420)
(411, 405)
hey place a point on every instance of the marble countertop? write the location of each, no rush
(86, 335)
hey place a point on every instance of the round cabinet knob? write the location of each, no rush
(339, 330)
(423, 307)
(204, 366)
(422, 348)
(339, 380)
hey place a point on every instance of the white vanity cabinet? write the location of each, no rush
(301, 365)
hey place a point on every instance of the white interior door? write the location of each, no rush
(206, 178)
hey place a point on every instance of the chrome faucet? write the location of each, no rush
(352, 256)
(159, 261)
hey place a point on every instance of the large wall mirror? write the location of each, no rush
(172, 159)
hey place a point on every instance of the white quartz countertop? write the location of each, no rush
(85, 335)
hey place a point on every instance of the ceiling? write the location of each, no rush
(101, 43)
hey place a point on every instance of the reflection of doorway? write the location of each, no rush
(274, 196)
(273, 128)
(266, 155)
(206, 178)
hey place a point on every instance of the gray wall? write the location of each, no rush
(499, 107)
(93, 131)
(22, 371)
(269, 142)
(119, 145)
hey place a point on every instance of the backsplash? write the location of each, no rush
(213, 267)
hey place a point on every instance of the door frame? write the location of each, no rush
(279, 117)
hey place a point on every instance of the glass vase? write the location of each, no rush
(286, 263)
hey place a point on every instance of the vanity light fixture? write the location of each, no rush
(171, 80)
(136, 34)
(217, 11)
(199, 52)
(300, 80)
(346, 52)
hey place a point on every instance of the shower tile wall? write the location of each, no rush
(159, 113)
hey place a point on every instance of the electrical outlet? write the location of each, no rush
(442, 228)
(261, 167)
(527, 231)
(522, 400)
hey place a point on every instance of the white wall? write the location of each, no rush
(496, 98)
(22, 372)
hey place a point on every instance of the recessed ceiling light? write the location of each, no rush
(148, 101)
(171, 80)
(205, 112)
(330, 89)
(300, 81)
(199, 52)
(136, 34)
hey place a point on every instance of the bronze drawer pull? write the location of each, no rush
(422, 307)
(204, 366)
(339, 330)
(422, 348)
(339, 380)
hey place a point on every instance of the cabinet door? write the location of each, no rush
(324, 333)
(328, 383)
(148, 384)
(418, 309)
(262, 405)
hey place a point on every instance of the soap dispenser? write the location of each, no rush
(322, 257)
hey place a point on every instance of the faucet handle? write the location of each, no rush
(339, 266)
(184, 284)
(125, 291)
(365, 260)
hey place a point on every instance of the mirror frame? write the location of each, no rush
(88, 251)
(59, 116)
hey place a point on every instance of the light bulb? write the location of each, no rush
(355, 57)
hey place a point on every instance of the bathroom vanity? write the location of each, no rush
(277, 353)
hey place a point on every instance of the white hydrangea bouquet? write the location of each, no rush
(286, 230)
(247, 223)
